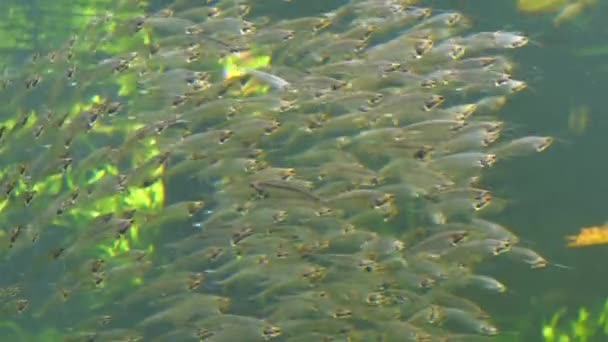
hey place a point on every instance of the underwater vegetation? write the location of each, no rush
(207, 171)
(588, 326)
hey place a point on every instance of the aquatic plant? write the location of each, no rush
(588, 326)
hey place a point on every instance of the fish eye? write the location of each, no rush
(35, 56)
(487, 61)
(52, 57)
(201, 75)
(539, 263)
(428, 83)
(469, 110)
(279, 216)
(519, 41)
(348, 228)
(374, 181)
(231, 112)
(488, 160)
(22, 304)
(458, 126)
(323, 23)
(343, 313)
(375, 99)
(325, 211)
(179, 100)
(453, 19)
(418, 12)
(483, 202)
(194, 29)
(517, 86)
(247, 29)
(225, 136)
(434, 315)
(502, 81)
(458, 238)
(263, 260)
(483, 195)
(545, 144)
(70, 72)
(193, 57)
(256, 153)
(288, 174)
(433, 102)
(200, 85)
(139, 24)
(502, 247)
(244, 10)
(369, 31)
(374, 298)
(392, 67)
(6, 83)
(274, 125)
(360, 46)
(490, 137)
(488, 330)
(457, 51)
(313, 124)
(213, 12)
(338, 85)
(289, 35)
(421, 154)
(33, 82)
(396, 8)
(193, 46)
(423, 47)
(367, 265)
(191, 80)
(496, 127)
(271, 332)
(382, 200)
(427, 283)
(166, 12)
(286, 105)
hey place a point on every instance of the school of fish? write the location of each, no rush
(208, 171)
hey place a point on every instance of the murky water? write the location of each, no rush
(555, 194)
(547, 196)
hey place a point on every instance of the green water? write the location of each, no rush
(554, 194)
(550, 195)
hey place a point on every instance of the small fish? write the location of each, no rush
(531, 258)
(523, 146)
(275, 81)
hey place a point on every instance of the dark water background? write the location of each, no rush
(553, 194)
